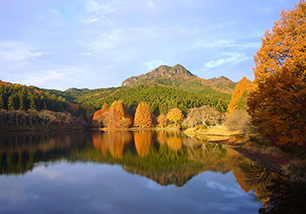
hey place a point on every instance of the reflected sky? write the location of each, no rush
(63, 187)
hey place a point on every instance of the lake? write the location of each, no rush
(135, 172)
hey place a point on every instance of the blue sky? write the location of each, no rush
(97, 44)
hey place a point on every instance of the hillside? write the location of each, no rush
(180, 77)
(159, 97)
(21, 97)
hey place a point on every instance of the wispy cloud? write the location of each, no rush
(98, 10)
(223, 43)
(150, 4)
(49, 174)
(228, 59)
(16, 51)
(42, 78)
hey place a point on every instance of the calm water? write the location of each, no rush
(135, 172)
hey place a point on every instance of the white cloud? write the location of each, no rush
(98, 11)
(83, 54)
(16, 51)
(42, 78)
(222, 43)
(150, 4)
(49, 174)
(228, 59)
(93, 6)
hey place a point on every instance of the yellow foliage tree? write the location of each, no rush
(162, 120)
(277, 100)
(175, 115)
(117, 109)
(143, 116)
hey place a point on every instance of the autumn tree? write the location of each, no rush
(240, 89)
(202, 115)
(143, 116)
(104, 108)
(239, 120)
(277, 99)
(162, 120)
(97, 118)
(113, 117)
(117, 109)
(175, 116)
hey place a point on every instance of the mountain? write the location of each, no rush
(180, 77)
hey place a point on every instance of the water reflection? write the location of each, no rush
(143, 142)
(163, 157)
(112, 142)
(20, 151)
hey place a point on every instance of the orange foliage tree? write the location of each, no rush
(277, 100)
(240, 89)
(175, 115)
(98, 115)
(114, 117)
(143, 116)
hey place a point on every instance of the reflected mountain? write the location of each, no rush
(164, 157)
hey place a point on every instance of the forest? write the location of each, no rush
(19, 103)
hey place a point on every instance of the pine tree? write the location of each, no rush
(32, 102)
(1, 102)
(13, 102)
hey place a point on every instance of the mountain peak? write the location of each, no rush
(163, 71)
(170, 72)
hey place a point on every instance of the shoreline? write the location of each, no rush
(136, 129)
(272, 158)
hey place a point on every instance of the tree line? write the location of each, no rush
(119, 116)
(19, 97)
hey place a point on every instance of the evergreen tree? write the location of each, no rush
(32, 102)
(13, 102)
(1, 102)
